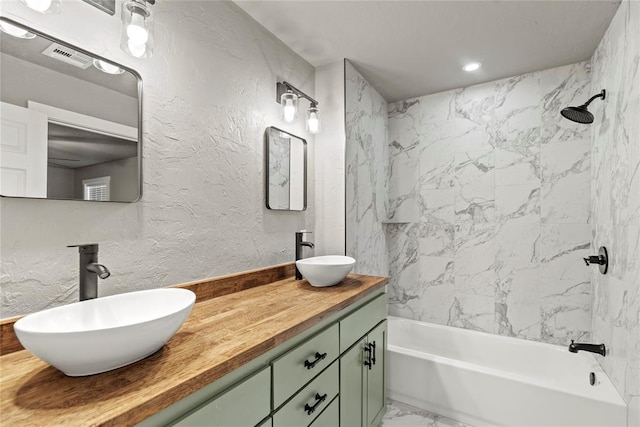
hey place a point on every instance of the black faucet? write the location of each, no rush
(90, 270)
(299, 244)
(593, 348)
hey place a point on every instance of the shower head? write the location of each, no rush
(577, 114)
(580, 114)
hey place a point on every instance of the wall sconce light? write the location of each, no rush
(137, 28)
(49, 7)
(313, 119)
(287, 95)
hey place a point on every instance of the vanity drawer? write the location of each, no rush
(297, 367)
(330, 417)
(357, 324)
(246, 404)
(318, 394)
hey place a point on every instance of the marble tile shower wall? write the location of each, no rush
(615, 204)
(367, 168)
(489, 195)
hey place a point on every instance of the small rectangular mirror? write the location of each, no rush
(70, 121)
(286, 171)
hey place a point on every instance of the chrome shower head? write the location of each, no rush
(580, 114)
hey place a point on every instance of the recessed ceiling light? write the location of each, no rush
(472, 66)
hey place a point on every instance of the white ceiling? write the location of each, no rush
(412, 48)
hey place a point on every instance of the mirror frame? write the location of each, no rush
(266, 169)
(140, 85)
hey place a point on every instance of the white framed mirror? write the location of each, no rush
(286, 170)
(70, 121)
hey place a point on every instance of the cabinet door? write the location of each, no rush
(246, 404)
(375, 401)
(352, 386)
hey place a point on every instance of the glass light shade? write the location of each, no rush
(106, 67)
(15, 31)
(313, 120)
(289, 101)
(137, 29)
(49, 7)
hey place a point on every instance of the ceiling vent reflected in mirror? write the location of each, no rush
(68, 55)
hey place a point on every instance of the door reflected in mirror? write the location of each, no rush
(286, 171)
(70, 121)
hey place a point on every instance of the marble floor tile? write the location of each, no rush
(399, 415)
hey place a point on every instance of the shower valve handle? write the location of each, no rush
(594, 259)
(601, 260)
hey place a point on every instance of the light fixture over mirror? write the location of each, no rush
(289, 101)
(49, 7)
(137, 28)
(287, 95)
(313, 119)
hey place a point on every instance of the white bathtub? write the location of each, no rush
(489, 380)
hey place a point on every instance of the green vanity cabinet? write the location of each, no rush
(330, 417)
(362, 366)
(306, 405)
(362, 380)
(299, 366)
(352, 386)
(246, 404)
(375, 375)
(316, 379)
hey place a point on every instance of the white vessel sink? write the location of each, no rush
(102, 334)
(325, 270)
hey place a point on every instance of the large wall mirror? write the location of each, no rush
(70, 121)
(286, 171)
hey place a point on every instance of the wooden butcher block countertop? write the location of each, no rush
(222, 333)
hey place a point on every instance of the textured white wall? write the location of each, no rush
(209, 94)
(330, 152)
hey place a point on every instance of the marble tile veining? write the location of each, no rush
(497, 186)
(367, 186)
(399, 415)
(615, 203)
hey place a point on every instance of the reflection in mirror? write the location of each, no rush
(70, 121)
(286, 171)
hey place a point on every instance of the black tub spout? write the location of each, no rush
(593, 348)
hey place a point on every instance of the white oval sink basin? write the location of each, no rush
(326, 270)
(102, 334)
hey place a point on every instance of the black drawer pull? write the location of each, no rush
(319, 399)
(373, 346)
(318, 356)
(367, 362)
